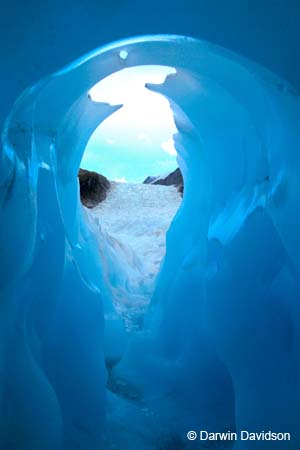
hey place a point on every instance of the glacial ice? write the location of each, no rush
(219, 349)
(132, 223)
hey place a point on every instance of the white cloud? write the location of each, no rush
(168, 147)
(121, 180)
(128, 84)
(143, 137)
(110, 141)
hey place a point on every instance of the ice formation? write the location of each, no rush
(132, 224)
(220, 345)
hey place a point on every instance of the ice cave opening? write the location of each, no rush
(131, 182)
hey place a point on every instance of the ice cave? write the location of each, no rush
(219, 346)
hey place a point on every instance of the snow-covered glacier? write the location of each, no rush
(219, 348)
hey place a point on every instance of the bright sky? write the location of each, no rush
(135, 141)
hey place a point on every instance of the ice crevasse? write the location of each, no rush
(219, 349)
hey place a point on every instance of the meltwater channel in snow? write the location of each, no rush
(218, 349)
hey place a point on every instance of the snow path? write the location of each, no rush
(134, 219)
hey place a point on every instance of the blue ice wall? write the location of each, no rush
(220, 346)
(34, 41)
(221, 338)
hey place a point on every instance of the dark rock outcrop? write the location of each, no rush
(172, 179)
(93, 187)
(149, 180)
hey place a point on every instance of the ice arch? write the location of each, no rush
(221, 341)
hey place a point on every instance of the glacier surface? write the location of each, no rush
(132, 223)
(219, 348)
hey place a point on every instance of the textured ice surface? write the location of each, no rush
(220, 345)
(133, 221)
